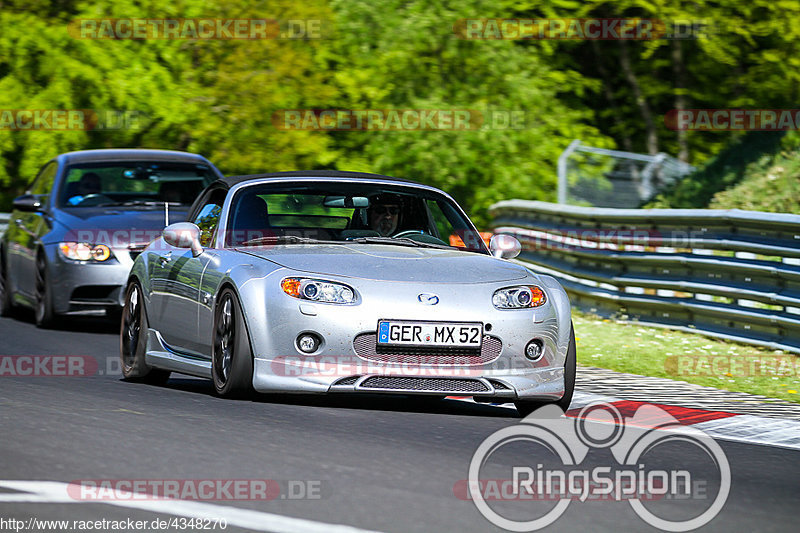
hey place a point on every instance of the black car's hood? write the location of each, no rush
(116, 226)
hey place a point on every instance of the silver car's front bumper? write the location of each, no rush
(337, 366)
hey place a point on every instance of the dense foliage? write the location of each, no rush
(218, 97)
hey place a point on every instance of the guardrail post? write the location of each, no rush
(562, 170)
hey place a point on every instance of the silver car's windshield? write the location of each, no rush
(365, 213)
(134, 183)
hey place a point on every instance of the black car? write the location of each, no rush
(73, 236)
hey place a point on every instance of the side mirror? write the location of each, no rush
(27, 202)
(504, 246)
(184, 235)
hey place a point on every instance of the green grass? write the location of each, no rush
(775, 188)
(659, 352)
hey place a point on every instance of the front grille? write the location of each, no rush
(366, 347)
(347, 381)
(499, 385)
(93, 293)
(445, 385)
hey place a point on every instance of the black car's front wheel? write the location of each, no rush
(526, 407)
(133, 340)
(43, 311)
(232, 358)
(6, 302)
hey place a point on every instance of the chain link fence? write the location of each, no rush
(599, 177)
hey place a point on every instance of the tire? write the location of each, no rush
(114, 314)
(6, 300)
(43, 310)
(133, 340)
(526, 407)
(231, 358)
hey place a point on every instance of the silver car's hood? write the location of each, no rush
(392, 263)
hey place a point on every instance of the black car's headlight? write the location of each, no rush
(520, 297)
(317, 290)
(83, 251)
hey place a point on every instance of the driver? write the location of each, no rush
(384, 214)
(88, 184)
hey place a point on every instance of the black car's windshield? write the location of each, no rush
(135, 183)
(333, 212)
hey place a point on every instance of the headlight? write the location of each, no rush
(317, 290)
(82, 251)
(522, 297)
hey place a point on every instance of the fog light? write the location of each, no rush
(534, 350)
(308, 343)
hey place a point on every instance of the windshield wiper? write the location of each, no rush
(147, 203)
(402, 241)
(286, 239)
(150, 203)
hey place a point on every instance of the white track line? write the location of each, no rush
(754, 430)
(56, 492)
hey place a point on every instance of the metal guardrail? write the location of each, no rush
(4, 218)
(726, 273)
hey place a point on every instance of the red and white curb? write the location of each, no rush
(721, 425)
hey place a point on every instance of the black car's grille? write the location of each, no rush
(92, 293)
(366, 347)
(347, 381)
(445, 385)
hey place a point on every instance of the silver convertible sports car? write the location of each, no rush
(327, 282)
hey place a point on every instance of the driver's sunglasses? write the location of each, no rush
(387, 210)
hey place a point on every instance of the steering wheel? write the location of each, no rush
(408, 232)
(93, 199)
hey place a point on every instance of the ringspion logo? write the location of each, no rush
(642, 470)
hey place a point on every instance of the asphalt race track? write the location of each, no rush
(381, 464)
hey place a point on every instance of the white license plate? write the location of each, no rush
(403, 332)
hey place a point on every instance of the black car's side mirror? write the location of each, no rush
(28, 202)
